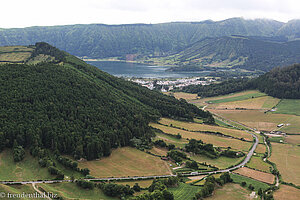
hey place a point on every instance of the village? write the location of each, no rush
(165, 85)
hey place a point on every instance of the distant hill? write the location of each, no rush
(252, 53)
(280, 82)
(52, 100)
(100, 40)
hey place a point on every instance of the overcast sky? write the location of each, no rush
(24, 13)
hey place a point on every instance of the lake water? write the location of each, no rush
(141, 71)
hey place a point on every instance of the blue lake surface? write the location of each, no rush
(141, 71)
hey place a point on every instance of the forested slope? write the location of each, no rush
(280, 82)
(239, 52)
(73, 108)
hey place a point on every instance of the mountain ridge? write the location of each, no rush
(100, 41)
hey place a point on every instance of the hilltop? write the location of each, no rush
(53, 100)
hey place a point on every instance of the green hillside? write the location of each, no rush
(237, 52)
(63, 104)
(100, 40)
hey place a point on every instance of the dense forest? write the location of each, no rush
(74, 108)
(280, 82)
(100, 40)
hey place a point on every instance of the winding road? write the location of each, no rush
(242, 164)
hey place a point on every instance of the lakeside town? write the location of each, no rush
(166, 85)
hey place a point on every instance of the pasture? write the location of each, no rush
(239, 97)
(202, 101)
(184, 191)
(264, 102)
(286, 192)
(256, 184)
(159, 151)
(256, 162)
(221, 162)
(288, 106)
(204, 127)
(17, 189)
(72, 191)
(258, 119)
(261, 148)
(126, 161)
(206, 138)
(27, 169)
(287, 159)
(292, 139)
(257, 175)
(171, 140)
(230, 191)
(183, 95)
(15, 53)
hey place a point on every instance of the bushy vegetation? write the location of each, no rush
(198, 147)
(158, 189)
(211, 183)
(177, 156)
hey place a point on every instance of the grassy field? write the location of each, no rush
(261, 148)
(256, 184)
(289, 106)
(259, 120)
(184, 191)
(287, 159)
(294, 125)
(183, 95)
(207, 138)
(202, 101)
(171, 140)
(17, 189)
(222, 162)
(257, 175)
(15, 53)
(126, 161)
(287, 193)
(264, 102)
(27, 169)
(72, 191)
(230, 191)
(277, 139)
(257, 163)
(292, 139)
(240, 97)
(203, 127)
(159, 151)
